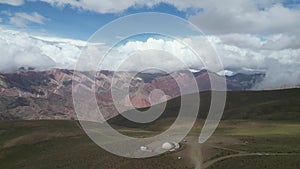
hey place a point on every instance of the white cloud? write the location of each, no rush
(169, 55)
(105, 6)
(21, 49)
(280, 65)
(12, 2)
(268, 42)
(280, 75)
(247, 17)
(282, 41)
(253, 53)
(18, 51)
(268, 17)
(242, 40)
(61, 40)
(23, 19)
(114, 6)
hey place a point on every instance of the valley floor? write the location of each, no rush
(236, 144)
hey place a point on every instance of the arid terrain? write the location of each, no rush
(33, 95)
(264, 132)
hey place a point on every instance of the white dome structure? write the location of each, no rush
(144, 148)
(167, 146)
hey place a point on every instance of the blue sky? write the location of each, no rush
(70, 22)
(79, 21)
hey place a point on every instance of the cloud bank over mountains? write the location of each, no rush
(238, 52)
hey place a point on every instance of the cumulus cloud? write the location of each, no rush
(281, 66)
(23, 19)
(232, 55)
(254, 54)
(280, 75)
(169, 55)
(247, 17)
(21, 49)
(12, 2)
(18, 54)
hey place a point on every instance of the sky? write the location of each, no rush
(248, 35)
(65, 20)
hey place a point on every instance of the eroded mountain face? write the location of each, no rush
(48, 94)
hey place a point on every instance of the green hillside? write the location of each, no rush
(255, 105)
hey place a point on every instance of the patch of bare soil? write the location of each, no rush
(36, 137)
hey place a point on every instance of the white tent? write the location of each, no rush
(168, 146)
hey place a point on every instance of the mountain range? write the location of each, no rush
(30, 94)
